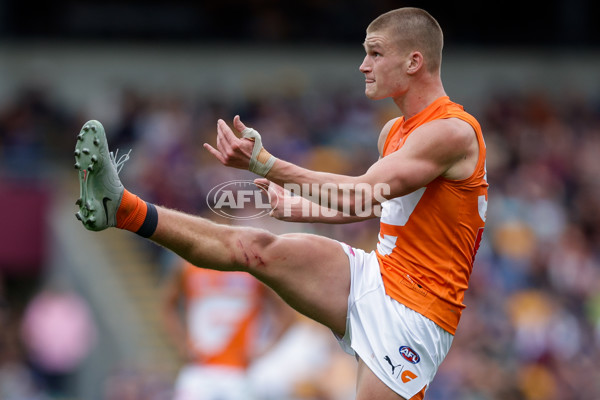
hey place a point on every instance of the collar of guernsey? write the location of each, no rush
(428, 238)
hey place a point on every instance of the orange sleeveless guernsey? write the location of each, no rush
(222, 312)
(428, 238)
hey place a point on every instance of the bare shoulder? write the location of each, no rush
(462, 138)
(454, 131)
(451, 143)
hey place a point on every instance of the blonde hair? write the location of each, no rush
(413, 29)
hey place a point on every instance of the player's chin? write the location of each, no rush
(369, 92)
(372, 95)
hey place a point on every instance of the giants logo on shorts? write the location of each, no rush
(408, 376)
(409, 354)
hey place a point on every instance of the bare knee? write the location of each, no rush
(251, 248)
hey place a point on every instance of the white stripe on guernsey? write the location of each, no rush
(397, 211)
(482, 205)
(386, 244)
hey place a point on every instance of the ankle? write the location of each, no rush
(136, 215)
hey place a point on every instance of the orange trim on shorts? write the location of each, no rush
(420, 395)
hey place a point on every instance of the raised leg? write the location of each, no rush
(309, 272)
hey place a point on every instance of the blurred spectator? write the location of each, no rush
(58, 333)
(16, 380)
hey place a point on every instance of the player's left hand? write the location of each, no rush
(277, 196)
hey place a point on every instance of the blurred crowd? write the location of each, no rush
(531, 329)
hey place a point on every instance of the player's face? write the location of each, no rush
(383, 66)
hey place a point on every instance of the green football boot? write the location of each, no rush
(100, 189)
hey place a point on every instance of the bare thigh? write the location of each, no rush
(311, 273)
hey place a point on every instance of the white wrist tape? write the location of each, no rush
(261, 161)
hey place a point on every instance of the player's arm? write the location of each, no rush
(441, 147)
(444, 147)
(288, 207)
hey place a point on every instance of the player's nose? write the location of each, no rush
(365, 66)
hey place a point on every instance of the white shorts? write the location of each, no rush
(402, 347)
(206, 382)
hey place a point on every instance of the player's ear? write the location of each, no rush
(415, 62)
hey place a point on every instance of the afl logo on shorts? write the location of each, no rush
(409, 354)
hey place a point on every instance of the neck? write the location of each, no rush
(419, 96)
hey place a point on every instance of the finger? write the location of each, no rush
(220, 138)
(262, 184)
(224, 142)
(262, 181)
(238, 124)
(276, 214)
(214, 152)
(266, 182)
(225, 132)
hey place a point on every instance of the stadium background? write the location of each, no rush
(158, 74)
